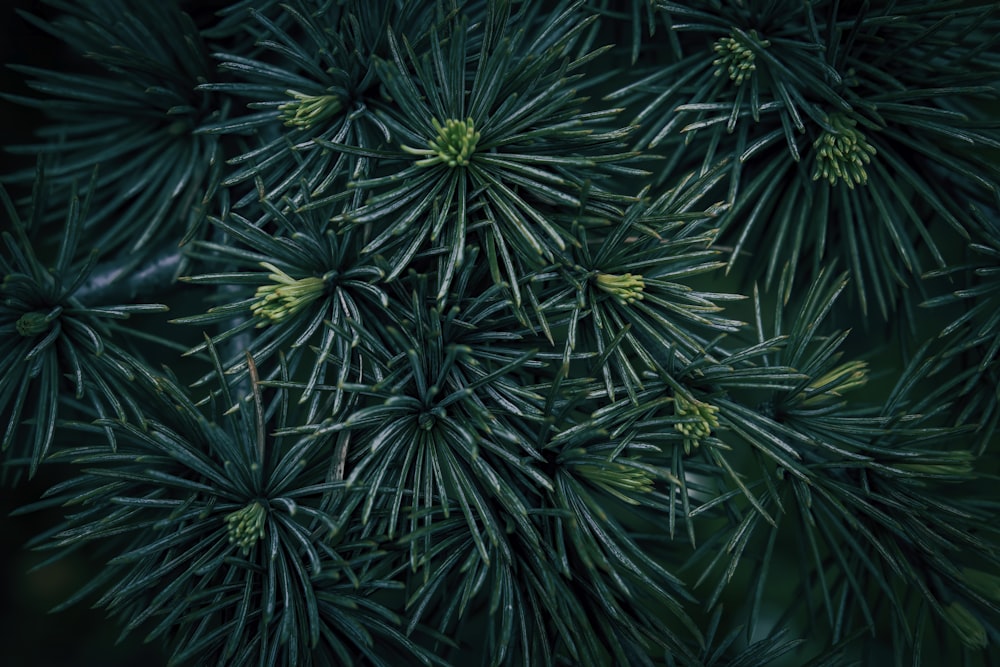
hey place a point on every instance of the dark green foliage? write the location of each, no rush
(978, 327)
(313, 80)
(52, 346)
(239, 523)
(133, 113)
(328, 288)
(897, 90)
(516, 333)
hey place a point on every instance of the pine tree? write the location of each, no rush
(513, 333)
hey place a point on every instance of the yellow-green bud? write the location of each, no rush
(984, 583)
(968, 627)
(736, 58)
(454, 144)
(625, 288)
(246, 526)
(843, 153)
(831, 386)
(701, 419)
(617, 479)
(943, 464)
(285, 296)
(32, 324)
(307, 110)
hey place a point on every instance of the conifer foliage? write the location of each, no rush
(526, 333)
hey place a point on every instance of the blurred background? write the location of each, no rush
(29, 634)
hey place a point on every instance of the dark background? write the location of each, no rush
(29, 634)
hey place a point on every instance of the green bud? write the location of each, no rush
(617, 479)
(701, 419)
(984, 583)
(625, 288)
(426, 421)
(843, 153)
(307, 110)
(285, 296)
(943, 464)
(735, 57)
(246, 526)
(968, 627)
(32, 324)
(454, 144)
(831, 386)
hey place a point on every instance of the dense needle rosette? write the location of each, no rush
(243, 526)
(132, 114)
(51, 344)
